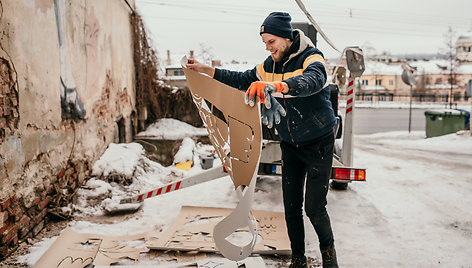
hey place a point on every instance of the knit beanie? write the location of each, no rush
(278, 23)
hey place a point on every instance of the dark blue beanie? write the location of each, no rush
(278, 23)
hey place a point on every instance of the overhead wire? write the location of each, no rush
(406, 23)
(323, 11)
(343, 27)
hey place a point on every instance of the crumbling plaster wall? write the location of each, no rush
(42, 154)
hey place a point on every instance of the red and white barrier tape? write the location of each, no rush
(163, 190)
(350, 95)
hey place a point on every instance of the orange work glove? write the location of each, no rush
(261, 89)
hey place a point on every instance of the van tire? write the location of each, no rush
(339, 185)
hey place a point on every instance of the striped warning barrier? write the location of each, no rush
(208, 175)
(159, 191)
(350, 95)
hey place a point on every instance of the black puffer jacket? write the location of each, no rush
(309, 112)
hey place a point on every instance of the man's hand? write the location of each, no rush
(262, 89)
(272, 114)
(194, 65)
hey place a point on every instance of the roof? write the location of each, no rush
(422, 67)
(465, 38)
(238, 66)
(376, 68)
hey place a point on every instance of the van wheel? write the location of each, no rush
(339, 185)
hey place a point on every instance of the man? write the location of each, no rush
(290, 84)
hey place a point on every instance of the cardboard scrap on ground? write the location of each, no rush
(180, 257)
(192, 231)
(190, 234)
(250, 262)
(76, 250)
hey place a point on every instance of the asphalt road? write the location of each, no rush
(370, 120)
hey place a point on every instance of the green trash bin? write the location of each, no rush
(442, 122)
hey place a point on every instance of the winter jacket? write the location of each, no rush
(309, 112)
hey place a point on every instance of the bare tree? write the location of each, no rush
(205, 54)
(449, 51)
(369, 50)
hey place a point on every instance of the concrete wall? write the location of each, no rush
(66, 79)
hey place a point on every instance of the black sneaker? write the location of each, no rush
(298, 262)
(329, 258)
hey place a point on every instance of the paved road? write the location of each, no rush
(369, 120)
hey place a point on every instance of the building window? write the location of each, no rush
(378, 82)
(365, 82)
(178, 73)
(438, 81)
(390, 82)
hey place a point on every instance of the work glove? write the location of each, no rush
(273, 113)
(261, 89)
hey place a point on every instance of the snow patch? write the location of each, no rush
(186, 151)
(172, 129)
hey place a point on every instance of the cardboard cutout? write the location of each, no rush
(231, 124)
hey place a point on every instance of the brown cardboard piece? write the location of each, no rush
(230, 122)
(192, 231)
(76, 250)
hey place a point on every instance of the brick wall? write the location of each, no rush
(50, 140)
(18, 222)
(9, 115)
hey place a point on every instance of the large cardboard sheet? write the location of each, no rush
(76, 250)
(192, 231)
(231, 124)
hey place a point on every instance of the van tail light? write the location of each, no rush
(348, 174)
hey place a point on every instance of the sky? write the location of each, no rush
(230, 29)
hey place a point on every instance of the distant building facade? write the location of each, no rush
(464, 47)
(382, 82)
(437, 80)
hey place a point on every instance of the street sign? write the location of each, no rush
(408, 75)
(355, 61)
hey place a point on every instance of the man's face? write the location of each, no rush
(276, 45)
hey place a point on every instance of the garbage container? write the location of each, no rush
(442, 122)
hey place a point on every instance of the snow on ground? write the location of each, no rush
(413, 210)
(172, 129)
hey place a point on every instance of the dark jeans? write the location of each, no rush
(312, 161)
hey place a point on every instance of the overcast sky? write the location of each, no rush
(230, 29)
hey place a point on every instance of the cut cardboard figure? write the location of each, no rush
(191, 231)
(77, 250)
(231, 124)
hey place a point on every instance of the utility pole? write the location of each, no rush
(409, 78)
